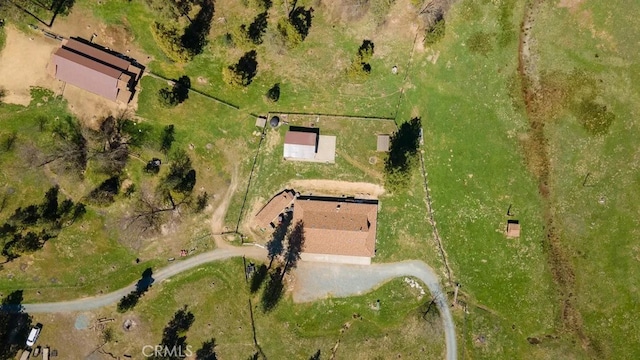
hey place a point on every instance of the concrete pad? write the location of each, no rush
(326, 149)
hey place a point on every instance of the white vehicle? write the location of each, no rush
(33, 335)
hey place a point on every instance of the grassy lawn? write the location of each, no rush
(595, 178)
(475, 126)
(331, 91)
(97, 254)
(476, 172)
(291, 330)
(355, 145)
(56, 267)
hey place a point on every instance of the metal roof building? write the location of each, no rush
(95, 69)
(300, 145)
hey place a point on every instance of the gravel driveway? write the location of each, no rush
(319, 280)
(96, 302)
(313, 281)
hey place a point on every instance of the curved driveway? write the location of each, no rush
(95, 302)
(313, 281)
(318, 280)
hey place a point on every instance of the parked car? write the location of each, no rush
(33, 335)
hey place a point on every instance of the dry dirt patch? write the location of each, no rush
(572, 5)
(334, 187)
(23, 63)
(81, 23)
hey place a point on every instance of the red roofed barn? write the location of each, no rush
(96, 70)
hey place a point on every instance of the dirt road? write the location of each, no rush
(96, 302)
(313, 281)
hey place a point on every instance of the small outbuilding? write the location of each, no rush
(383, 143)
(513, 229)
(306, 144)
(261, 121)
(300, 145)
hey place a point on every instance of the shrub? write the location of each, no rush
(167, 98)
(380, 9)
(202, 201)
(480, 43)
(273, 94)
(243, 72)
(360, 66)
(289, 34)
(169, 40)
(595, 118)
(435, 33)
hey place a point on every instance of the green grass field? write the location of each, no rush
(475, 135)
(598, 216)
(291, 330)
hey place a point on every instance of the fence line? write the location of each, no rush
(220, 101)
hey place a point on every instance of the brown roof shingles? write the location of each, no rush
(300, 138)
(338, 227)
(274, 207)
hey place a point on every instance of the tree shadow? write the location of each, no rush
(15, 325)
(56, 7)
(130, 300)
(274, 93)
(145, 281)
(181, 88)
(295, 244)
(403, 148)
(273, 291)
(301, 18)
(172, 336)
(195, 35)
(248, 66)
(207, 351)
(60, 7)
(258, 278)
(275, 246)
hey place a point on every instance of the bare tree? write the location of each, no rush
(70, 148)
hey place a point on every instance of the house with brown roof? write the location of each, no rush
(95, 69)
(268, 214)
(338, 230)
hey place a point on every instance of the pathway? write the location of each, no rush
(313, 281)
(318, 280)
